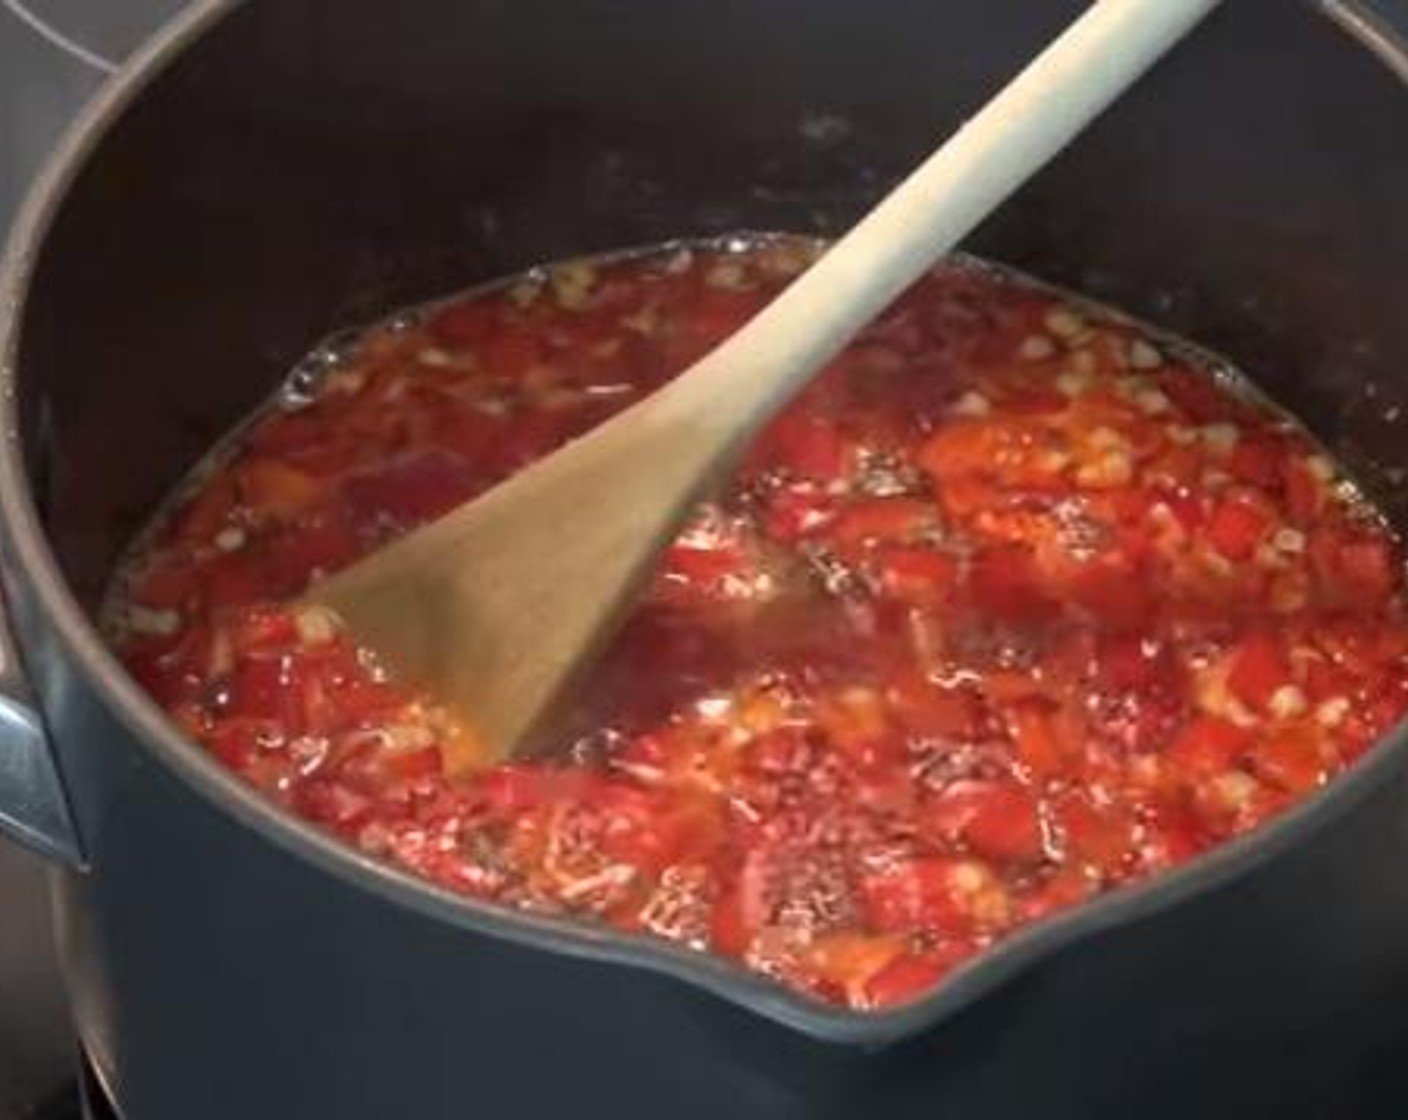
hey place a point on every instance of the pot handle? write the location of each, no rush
(33, 805)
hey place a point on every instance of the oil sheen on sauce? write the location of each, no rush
(1018, 603)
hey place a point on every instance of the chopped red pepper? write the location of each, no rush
(1259, 669)
(995, 618)
(1238, 526)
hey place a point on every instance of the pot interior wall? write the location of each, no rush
(314, 163)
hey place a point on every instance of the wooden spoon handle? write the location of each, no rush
(498, 605)
(743, 382)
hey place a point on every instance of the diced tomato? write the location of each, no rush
(1257, 461)
(272, 486)
(1176, 469)
(1100, 404)
(512, 351)
(531, 434)
(323, 541)
(262, 630)
(1112, 588)
(411, 491)
(705, 568)
(471, 436)
(1171, 836)
(333, 803)
(853, 734)
(805, 447)
(1386, 709)
(1259, 668)
(1132, 505)
(878, 785)
(1131, 663)
(1101, 838)
(998, 820)
(881, 519)
(266, 688)
(792, 512)
(929, 893)
(926, 708)
(1002, 687)
(1066, 888)
(960, 447)
(208, 513)
(714, 572)
(1305, 492)
(645, 830)
(1033, 399)
(509, 790)
(1207, 746)
(169, 681)
(237, 743)
(784, 750)
(412, 765)
(1290, 761)
(238, 579)
(745, 904)
(1326, 681)
(285, 433)
(1198, 396)
(169, 581)
(1354, 568)
(717, 314)
(968, 495)
(1038, 745)
(1142, 694)
(919, 576)
(911, 975)
(1238, 526)
(332, 458)
(1015, 454)
(463, 323)
(1004, 582)
(849, 961)
(338, 695)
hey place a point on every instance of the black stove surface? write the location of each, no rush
(55, 53)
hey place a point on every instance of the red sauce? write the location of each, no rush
(1014, 606)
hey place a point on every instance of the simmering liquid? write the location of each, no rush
(1019, 602)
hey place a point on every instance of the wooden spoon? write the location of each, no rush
(495, 607)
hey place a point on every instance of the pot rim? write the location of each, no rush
(34, 563)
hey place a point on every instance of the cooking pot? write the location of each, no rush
(267, 171)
